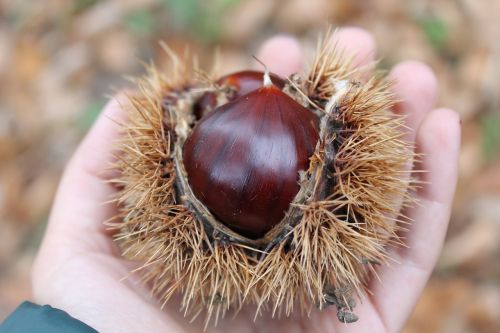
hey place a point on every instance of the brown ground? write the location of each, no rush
(58, 59)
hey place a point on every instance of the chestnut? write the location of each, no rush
(244, 82)
(239, 84)
(243, 159)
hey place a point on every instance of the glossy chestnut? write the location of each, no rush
(239, 83)
(243, 159)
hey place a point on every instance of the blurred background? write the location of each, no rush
(60, 59)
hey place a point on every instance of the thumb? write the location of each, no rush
(82, 202)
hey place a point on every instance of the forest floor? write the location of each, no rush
(59, 60)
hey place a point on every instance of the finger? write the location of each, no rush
(415, 86)
(82, 201)
(438, 139)
(357, 43)
(282, 55)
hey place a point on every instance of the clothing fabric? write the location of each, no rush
(33, 318)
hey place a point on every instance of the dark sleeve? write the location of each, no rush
(29, 317)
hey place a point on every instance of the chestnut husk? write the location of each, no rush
(337, 227)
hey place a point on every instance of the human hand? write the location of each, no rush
(79, 268)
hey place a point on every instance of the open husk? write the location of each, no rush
(337, 227)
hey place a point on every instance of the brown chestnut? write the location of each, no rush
(243, 159)
(240, 83)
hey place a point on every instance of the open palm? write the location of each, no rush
(79, 268)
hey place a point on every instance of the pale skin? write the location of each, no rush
(79, 269)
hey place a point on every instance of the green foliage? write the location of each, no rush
(201, 18)
(140, 22)
(82, 5)
(34, 238)
(183, 12)
(435, 30)
(491, 136)
(90, 114)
